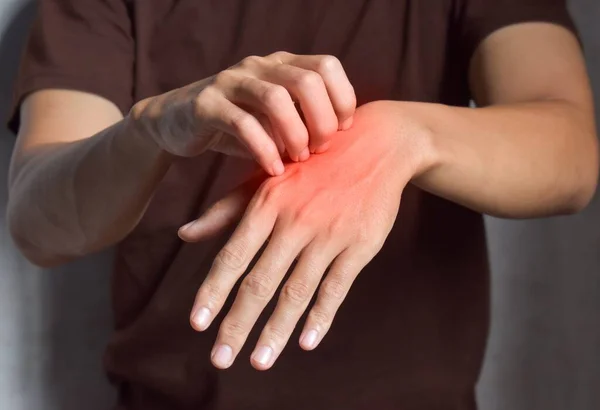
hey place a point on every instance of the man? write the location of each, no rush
(131, 116)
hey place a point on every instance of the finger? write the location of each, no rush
(229, 265)
(228, 117)
(274, 101)
(293, 301)
(332, 293)
(340, 90)
(272, 131)
(308, 88)
(220, 215)
(255, 292)
(230, 145)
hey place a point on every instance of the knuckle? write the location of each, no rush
(211, 293)
(274, 96)
(368, 242)
(232, 257)
(295, 292)
(139, 109)
(319, 317)
(250, 61)
(241, 120)
(333, 289)
(376, 246)
(336, 227)
(309, 79)
(223, 78)
(276, 333)
(146, 114)
(280, 55)
(328, 63)
(265, 200)
(269, 193)
(259, 285)
(231, 328)
(204, 97)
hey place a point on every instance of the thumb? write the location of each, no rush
(220, 215)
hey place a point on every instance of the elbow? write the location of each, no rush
(585, 185)
(44, 261)
(38, 257)
(580, 200)
(35, 254)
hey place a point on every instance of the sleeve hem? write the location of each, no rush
(56, 81)
(481, 28)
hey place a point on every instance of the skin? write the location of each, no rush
(361, 177)
(532, 151)
(250, 108)
(500, 159)
(82, 176)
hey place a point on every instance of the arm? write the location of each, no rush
(533, 153)
(532, 149)
(72, 194)
(69, 193)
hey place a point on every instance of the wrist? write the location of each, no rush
(416, 134)
(141, 143)
(437, 150)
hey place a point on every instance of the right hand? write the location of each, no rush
(249, 110)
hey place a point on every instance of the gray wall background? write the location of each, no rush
(544, 348)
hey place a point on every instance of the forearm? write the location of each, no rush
(516, 161)
(76, 198)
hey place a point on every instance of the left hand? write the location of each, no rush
(335, 210)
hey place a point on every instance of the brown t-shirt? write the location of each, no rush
(411, 334)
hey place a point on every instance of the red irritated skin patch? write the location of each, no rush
(337, 209)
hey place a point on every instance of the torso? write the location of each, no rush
(411, 334)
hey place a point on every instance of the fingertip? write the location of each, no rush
(258, 366)
(262, 358)
(194, 232)
(200, 319)
(184, 232)
(322, 148)
(277, 168)
(222, 356)
(346, 124)
(309, 339)
(304, 155)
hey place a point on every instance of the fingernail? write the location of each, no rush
(222, 356)
(322, 148)
(201, 318)
(186, 226)
(309, 339)
(278, 167)
(304, 154)
(347, 123)
(263, 355)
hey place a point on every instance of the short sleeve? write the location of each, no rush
(83, 45)
(479, 18)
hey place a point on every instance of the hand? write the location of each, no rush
(335, 210)
(249, 109)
